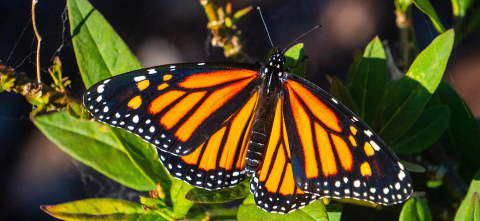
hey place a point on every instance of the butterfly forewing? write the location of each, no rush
(174, 107)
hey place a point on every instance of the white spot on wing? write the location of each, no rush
(356, 183)
(135, 119)
(368, 133)
(139, 78)
(401, 166)
(100, 88)
(152, 71)
(375, 145)
(401, 175)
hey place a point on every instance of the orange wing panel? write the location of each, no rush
(288, 185)
(211, 151)
(177, 112)
(343, 152)
(216, 100)
(327, 158)
(142, 85)
(275, 175)
(317, 107)
(304, 128)
(211, 79)
(275, 136)
(237, 127)
(135, 102)
(193, 158)
(162, 101)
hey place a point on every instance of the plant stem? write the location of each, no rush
(39, 38)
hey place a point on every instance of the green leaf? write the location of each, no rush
(199, 195)
(94, 144)
(334, 212)
(313, 211)
(430, 64)
(402, 5)
(144, 156)
(77, 111)
(412, 167)
(180, 204)
(368, 80)
(429, 127)
(399, 108)
(462, 137)
(471, 203)
(459, 7)
(158, 206)
(474, 23)
(357, 58)
(293, 55)
(473, 209)
(249, 200)
(415, 209)
(240, 14)
(100, 52)
(341, 93)
(405, 99)
(427, 8)
(100, 209)
(153, 202)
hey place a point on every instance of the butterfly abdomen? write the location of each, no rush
(269, 94)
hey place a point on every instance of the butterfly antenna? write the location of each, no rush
(313, 29)
(260, 11)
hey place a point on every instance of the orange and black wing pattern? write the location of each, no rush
(219, 161)
(195, 114)
(273, 184)
(334, 153)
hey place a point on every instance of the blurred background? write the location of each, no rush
(34, 172)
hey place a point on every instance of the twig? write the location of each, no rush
(39, 38)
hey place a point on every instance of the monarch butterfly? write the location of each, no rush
(213, 124)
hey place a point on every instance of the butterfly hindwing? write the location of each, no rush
(334, 154)
(273, 184)
(220, 161)
(174, 107)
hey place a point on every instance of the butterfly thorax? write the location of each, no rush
(273, 75)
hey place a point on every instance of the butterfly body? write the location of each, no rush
(215, 124)
(272, 76)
